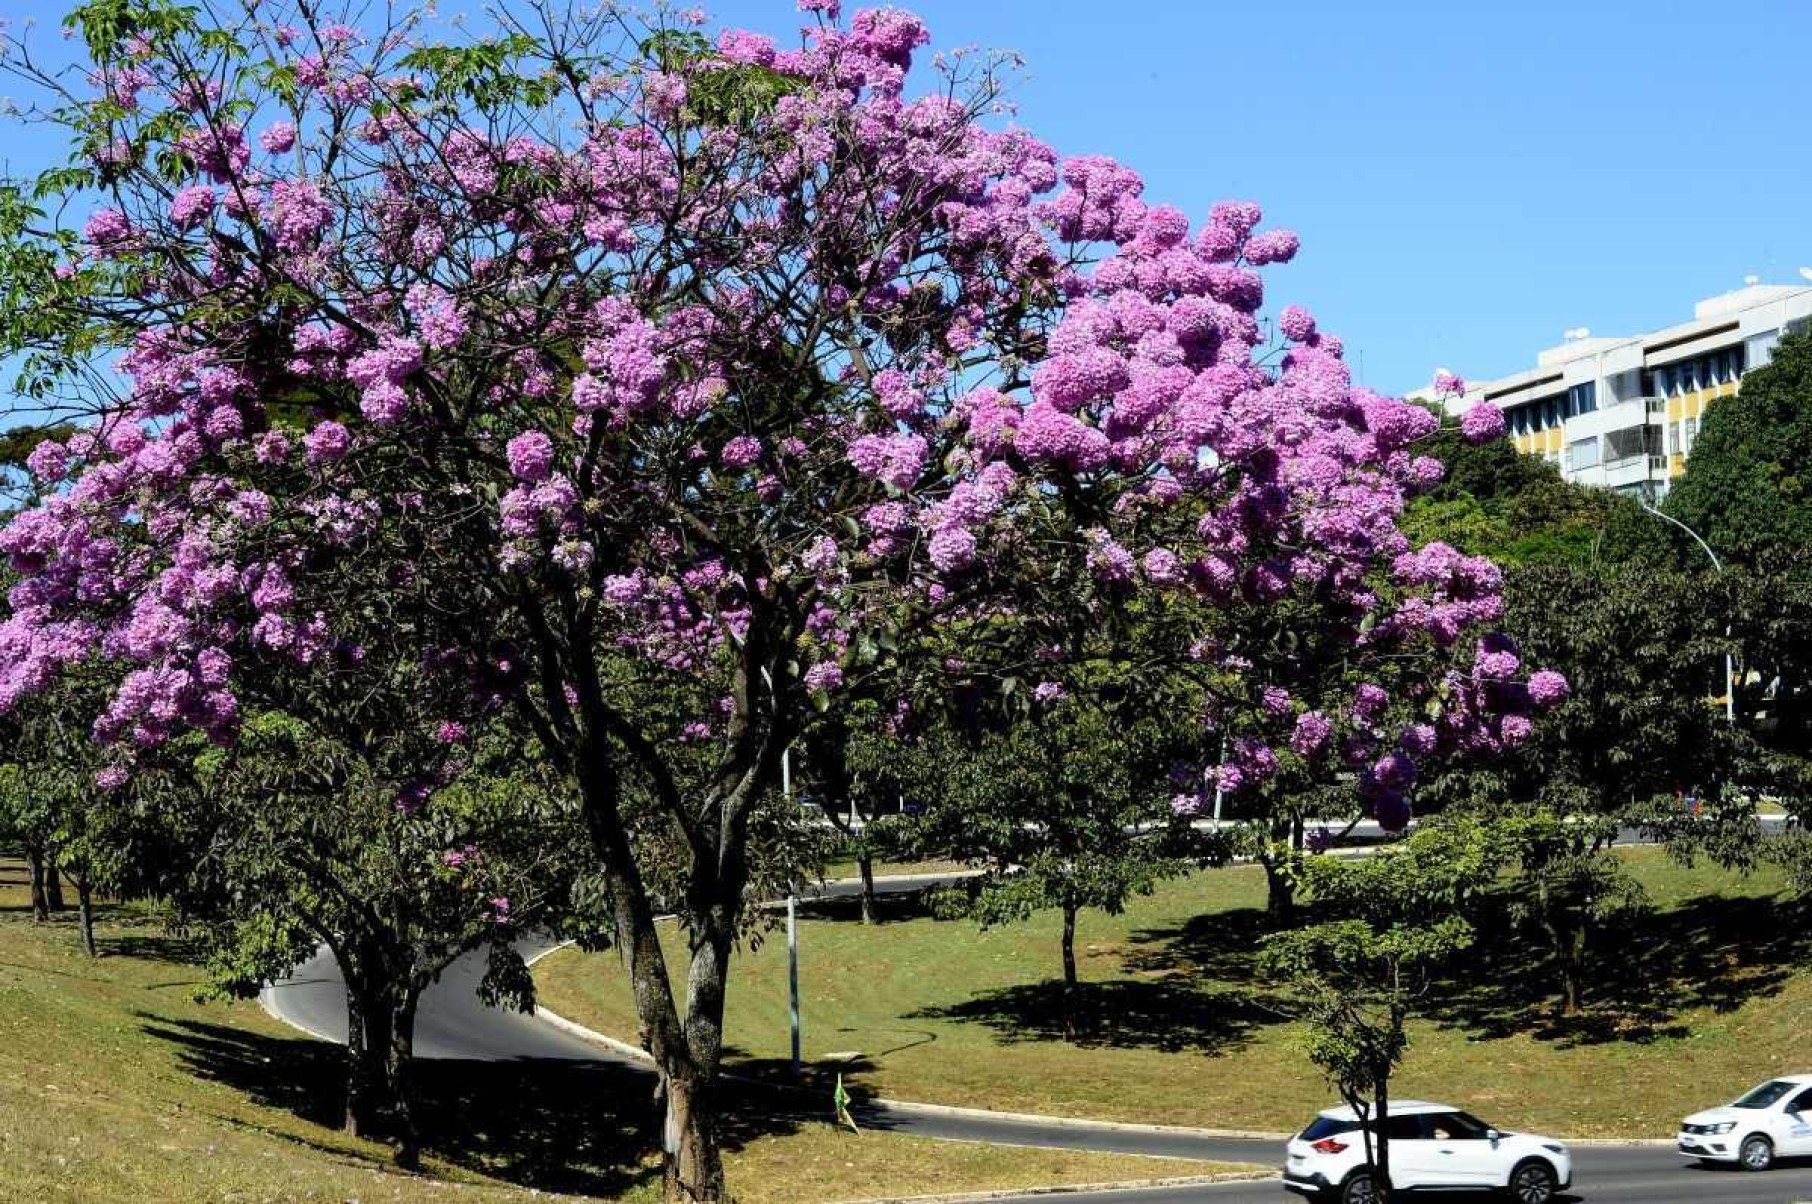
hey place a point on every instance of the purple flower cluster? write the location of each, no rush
(192, 206)
(1482, 423)
(897, 460)
(531, 456)
(279, 137)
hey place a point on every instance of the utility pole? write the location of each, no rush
(792, 971)
(792, 922)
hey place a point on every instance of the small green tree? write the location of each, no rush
(1569, 888)
(1381, 928)
(1063, 808)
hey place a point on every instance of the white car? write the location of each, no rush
(1772, 1121)
(1432, 1148)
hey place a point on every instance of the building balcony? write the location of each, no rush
(1636, 412)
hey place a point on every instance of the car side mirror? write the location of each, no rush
(1492, 1135)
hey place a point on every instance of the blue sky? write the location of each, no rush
(1469, 179)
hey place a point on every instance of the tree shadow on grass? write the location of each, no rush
(1164, 1014)
(546, 1124)
(150, 946)
(1218, 948)
(1642, 975)
(1191, 987)
(891, 907)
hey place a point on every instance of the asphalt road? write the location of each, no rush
(451, 1023)
(1602, 1175)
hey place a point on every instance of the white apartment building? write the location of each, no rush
(1622, 413)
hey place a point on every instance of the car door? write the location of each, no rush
(1411, 1153)
(1461, 1154)
(1795, 1136)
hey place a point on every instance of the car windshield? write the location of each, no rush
(1765, 1095)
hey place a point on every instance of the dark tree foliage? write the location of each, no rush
(1517, 509)
(1748, 484)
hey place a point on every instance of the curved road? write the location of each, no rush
(451, 1023)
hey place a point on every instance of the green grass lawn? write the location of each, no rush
(1703, 1001)
(115, 1084)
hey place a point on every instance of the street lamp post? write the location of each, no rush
(1718, 565)
(792, 921)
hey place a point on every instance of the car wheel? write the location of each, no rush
(1756, 1153)
(1358, 1189)
(1532, 1182)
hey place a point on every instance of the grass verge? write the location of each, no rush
(116, 1084)
(1697, 1001)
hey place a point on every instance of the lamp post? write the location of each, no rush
(1718, 565)
(792, 921)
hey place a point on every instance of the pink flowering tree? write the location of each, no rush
(715, 369)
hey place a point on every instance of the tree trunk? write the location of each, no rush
(685, 1052)
(397, 1072)
(380, 1049)
(1381, 1181)
(1572, 968)
(40, 902)
(1280, 893)
(53, 882)
(85, 900)
(692, 1169)
(1070, 985)
(865, 866)
(368, 1036)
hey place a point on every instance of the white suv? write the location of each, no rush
(1774, 1120)
(1433, 1147)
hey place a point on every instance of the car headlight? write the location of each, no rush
(1554, 1147)
(1721, 1127)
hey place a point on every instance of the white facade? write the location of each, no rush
(1622, 413)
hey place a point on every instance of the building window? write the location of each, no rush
(1582, 399)
(1673, 439)
(1582, 453)
(1691, 432)
(1626, 444)
(1707, 371)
